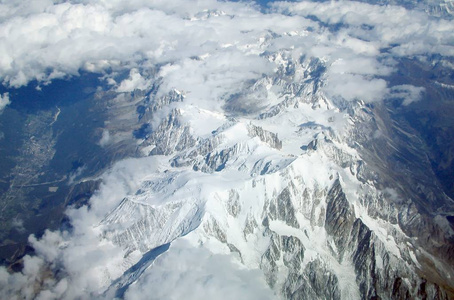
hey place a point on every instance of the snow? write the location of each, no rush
(147, 203)
(381, 229)
(316, 248)
(202, 122)
(413, 258)
(183, 204)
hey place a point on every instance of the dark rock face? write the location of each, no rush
(339, 217)
(376, 280)
(399, 160)
(317, 282)
(282, 208)
(170, 136)
(233, 205)
(265, 136)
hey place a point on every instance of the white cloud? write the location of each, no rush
(188, 272)
(359, 65)
(67, 37)
(22, 285)
(4, 101)
(18, 224)
(53, 40)
(408, 93)
(369, 37)
(356, 87)
(355, 77)
(414, 32)
(105, 138)
(135, 81)
(209, 80)
(86, 263)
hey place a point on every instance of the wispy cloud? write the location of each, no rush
(4, 101)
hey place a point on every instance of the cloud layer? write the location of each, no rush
(188, 272)
(50, 40)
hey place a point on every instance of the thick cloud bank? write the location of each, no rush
(211, 50)
(186, 272)
(48, 40)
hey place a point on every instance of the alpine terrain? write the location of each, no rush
(299, 150)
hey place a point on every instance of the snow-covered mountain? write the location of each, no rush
(269, 164)
(297, 190)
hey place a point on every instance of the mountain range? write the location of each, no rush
(301, 150)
